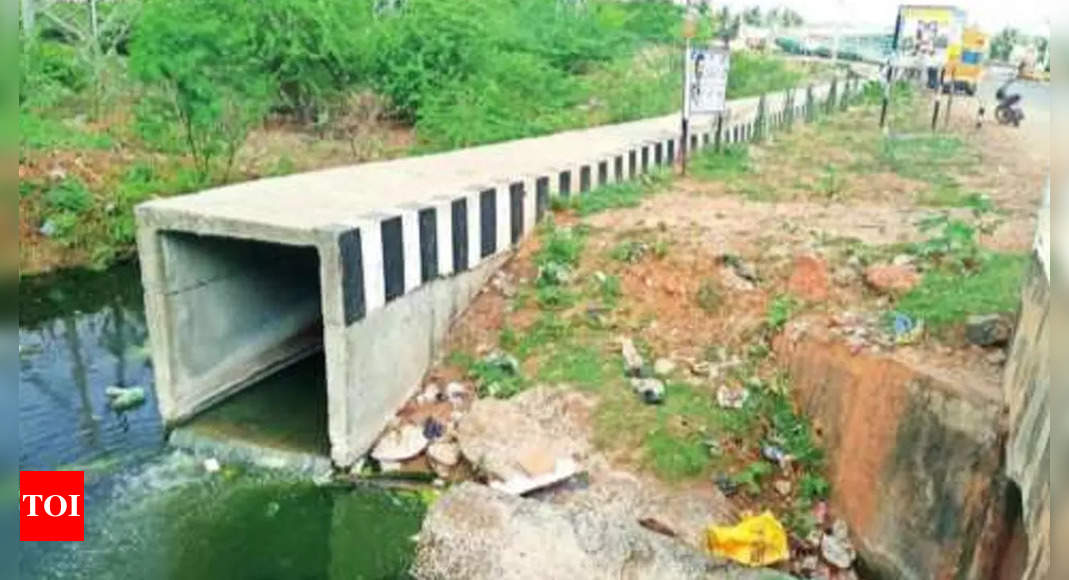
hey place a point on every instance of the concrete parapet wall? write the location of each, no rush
(370, 262)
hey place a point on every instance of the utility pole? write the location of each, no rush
(29, 19)
(688, 31)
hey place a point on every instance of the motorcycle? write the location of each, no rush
(1008, 110)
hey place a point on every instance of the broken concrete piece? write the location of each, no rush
(429, 394)
(782, 486)
(988, 329)
(836, 547)
(632, 360)
(399, 444)
(456, 392)
(537, 462)
(474, 532)
(730, 397)
(445, 453)
(651, 390)
(520, 484)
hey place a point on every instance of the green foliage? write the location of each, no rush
(831, 183)
(813, 487)
(780, 311)
(753, 74)
(48, 72)
(554, 297)
(1002, 43)
(69, 195)
(751, 476)
(560, 246)
(945, 296)
(675, 457)
(45, 132)
(731, 162)
(210, 67)
(609, 289)
(576, 364)
(708, 297)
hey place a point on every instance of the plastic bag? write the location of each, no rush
(755, 541)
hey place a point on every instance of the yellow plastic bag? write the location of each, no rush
(755, 541)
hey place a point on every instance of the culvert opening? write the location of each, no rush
(1013, 545)
(245, 323)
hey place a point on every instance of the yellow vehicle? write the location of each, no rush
(964, 66)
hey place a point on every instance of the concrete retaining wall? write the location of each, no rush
(370, 262)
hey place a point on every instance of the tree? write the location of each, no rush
(752, 16)
(727, 24)
(1002, 43)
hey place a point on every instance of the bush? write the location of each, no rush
(48, 72)
(69, 195)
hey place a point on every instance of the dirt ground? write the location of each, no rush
(676, 259)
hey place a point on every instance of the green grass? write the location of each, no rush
(731, 163)
(579, 365)
(41, 132)
(780, 311)
(946, 297)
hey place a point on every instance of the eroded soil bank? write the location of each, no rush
(826, 312)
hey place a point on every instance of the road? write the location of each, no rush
(1035, 96)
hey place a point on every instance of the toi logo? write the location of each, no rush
(51, 506)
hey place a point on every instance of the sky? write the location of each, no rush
(1032, 16)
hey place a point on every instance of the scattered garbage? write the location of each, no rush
(905, 330)
(726, 484)
(777, 456)
(755, 541)
(404, 442)
(782, 487)
(124, 398)
(503, 361)
(456, 392)
(554, 273)
(655, 525)
(563, 468)
(836, 547)
(632, 360)
(433, 428)
(732, 397)
(429, 394)
(211, 465)
(988, 329)
(49, 228)
(651, 390)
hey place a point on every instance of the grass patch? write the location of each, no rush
(731, 163)
(577, 364)
(618, 195)
(945, 297)
(37, 132)
(780, 311)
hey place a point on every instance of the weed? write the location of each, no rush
(676, 457)
(577, 364)
(780, 311)
(560, 246)
(708, 297)
(69, 195)
(751, 476)
(813, 487)
(630, 251)
(495, 379)
(553, 297)
(947, 296)
(609, 289)
(732, 162)
(831, 183)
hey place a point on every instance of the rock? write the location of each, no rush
(809, 280)
(740, 267)
(632, 360)
(537, 462)
(836, 547)
(730, 397)
(429, 394)
(57, 174)
(782, 486)
(892, 279)
(988, 329)
(211, 465)
(124, 398)
(456, 391)
(562, 469)
(400, 444)
(651, 390)
(902, 260)
(730, 279)
(996, 357)
(499, 436)
(726, 484)
(474, 532)
(445, 453)
(845, 276)
(664, 367)
(390, 466)
(48, 229)
(433, 428)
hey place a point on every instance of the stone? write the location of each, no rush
(632, 360)
(537, 462)
(892, 279)
(988, 329)
(561, 470)
(845, 276)
(456, 392)
(495, 435)
(651, 390)
(429, 394)
(997, 357)
(836, 547)
(902, 260)
(782, 486)
(730, 279)
(809, 280)
(445, 453)
(664, 367)
(474, 532)
(404, 442)
(731, 397)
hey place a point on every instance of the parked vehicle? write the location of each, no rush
(1008, 111)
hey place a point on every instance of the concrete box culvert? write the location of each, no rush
(369, 263)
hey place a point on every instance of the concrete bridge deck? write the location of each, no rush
(369, 262)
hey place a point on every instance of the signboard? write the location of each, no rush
(929, 32)
(707, 79)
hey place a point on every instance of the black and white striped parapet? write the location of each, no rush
(371, 262)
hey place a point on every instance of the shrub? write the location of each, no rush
(69, 195)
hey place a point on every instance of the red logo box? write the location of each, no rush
(51, 506)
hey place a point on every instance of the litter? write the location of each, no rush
(755, 541)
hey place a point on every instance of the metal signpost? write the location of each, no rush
(705, 88)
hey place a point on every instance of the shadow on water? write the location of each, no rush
(155, 513)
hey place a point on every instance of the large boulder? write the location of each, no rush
(476, 533)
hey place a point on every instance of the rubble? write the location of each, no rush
(632, 360)
(399, 444)
(651, 390)
(892, 279)
(988, 330)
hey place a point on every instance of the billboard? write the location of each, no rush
(707, 79)
(929, 32)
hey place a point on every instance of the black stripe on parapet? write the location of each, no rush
(618, 168)
(393, 257)
(693, 143)
(564, 186)
(603, 173)
(428, 244)
(541, 197)
(658, 153)
(671, 151)
(584, 179)
(487, 222)
(460, 234)
(645, 158)
(632, 164)
(516, 194)
(705, 139)
(735, 134)
(351, 254)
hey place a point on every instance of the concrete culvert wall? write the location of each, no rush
(236, 310)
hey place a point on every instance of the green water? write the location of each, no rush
(155, 513)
